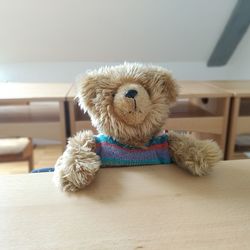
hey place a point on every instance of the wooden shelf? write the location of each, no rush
(44, 130)
(243, 124)
(187, 109)
(38, 121)
(34, 112)
(16, 92)
(242, 143)
(240, 155)
(80, 125)
(213, 125)
(35, 120)
(237, 88)
(80, 115)
(239, 122)
(200, 89)
(201, 108)
(244, 107)
(183, 116)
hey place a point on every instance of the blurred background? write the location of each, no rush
(52, 42)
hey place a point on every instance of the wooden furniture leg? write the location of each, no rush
(225, 114)
(232, 130)
(62, 123)
(25, 155)
(72, 117)
(31, 163)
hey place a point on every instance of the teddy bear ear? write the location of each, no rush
(162, 79)
(86, 91)
(170, 86)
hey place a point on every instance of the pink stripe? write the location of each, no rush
(157, 146)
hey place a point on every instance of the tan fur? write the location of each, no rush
(130, 121)
(77, 167)
(96, 92)
(194, 155)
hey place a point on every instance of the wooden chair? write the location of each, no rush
(16, 149)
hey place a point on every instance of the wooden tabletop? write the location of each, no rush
(200, 89)
(151, 207)
(237, 88)
(72, 92)
(14, 92)
(188, 89)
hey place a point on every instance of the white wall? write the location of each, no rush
(54, 41)
(68, 71)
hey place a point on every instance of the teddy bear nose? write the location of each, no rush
(131, 93)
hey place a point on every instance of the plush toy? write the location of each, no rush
(129, 106)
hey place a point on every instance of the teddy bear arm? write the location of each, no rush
(78, 165)
(197, 156)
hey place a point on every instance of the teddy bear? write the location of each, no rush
(129, 105)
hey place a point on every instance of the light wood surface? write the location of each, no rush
(239, 121)
(237, 88)
(237, 125)
(37, 120)
(36, 123)
(153, 207)
(211, 124)
(243, 125)
(42, 130)
(63, 135)
(72, 92)
(16, 92)
(87, 125)
(200, 89)
(33, 112)
(215, 127)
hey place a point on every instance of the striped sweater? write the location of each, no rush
(113, 153)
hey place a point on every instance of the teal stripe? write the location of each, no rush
(158, 140)
(155, 140)
(109, 161)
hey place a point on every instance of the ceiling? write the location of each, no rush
(112, 30)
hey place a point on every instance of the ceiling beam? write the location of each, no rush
(233, 32)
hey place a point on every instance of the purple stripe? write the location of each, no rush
(115, 153)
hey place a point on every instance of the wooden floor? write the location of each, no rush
(44, 156)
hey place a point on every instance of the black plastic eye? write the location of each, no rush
(113, 94)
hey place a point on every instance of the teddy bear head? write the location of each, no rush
(129, 102)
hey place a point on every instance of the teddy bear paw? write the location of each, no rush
(72, 181)
(206, 156)
(73, 177)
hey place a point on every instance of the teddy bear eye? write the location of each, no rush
(113, 94)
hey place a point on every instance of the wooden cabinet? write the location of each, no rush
(201, 109)
(239, 122)
(35, 110)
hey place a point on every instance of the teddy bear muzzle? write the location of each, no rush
(132, 104)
